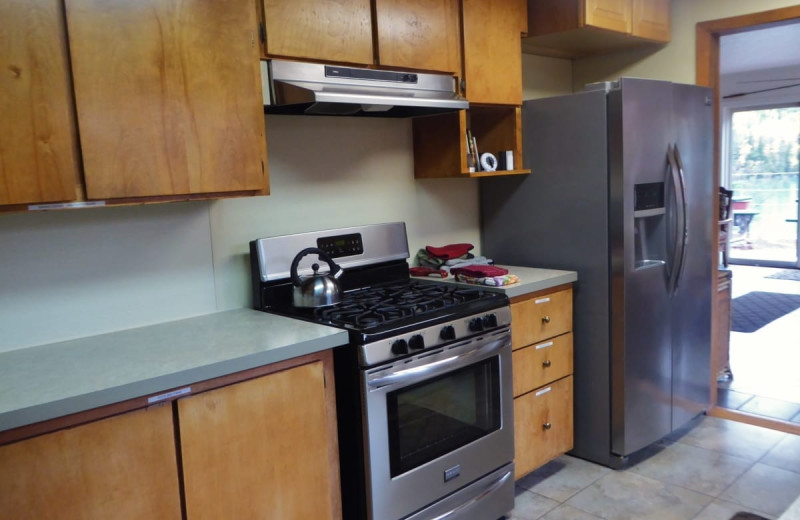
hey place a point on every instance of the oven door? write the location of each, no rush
(437, 422)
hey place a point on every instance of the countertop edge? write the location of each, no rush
(28, 415)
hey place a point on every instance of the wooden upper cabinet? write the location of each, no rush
(123, 467)
(339, 31)
(571, 28)
(38, 142)
(651, 19)
(168, 97)
(492, 52)
(614, 15)
(419, 34)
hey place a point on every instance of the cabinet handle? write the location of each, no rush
(546, 319)
(547, 426)
(546, 363)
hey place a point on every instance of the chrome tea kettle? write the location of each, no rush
(317, 290)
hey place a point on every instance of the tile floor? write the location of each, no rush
(765, 363)
(709, 471)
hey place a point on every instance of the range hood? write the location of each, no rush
(292, 87)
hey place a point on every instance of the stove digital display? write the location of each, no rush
(342, 245)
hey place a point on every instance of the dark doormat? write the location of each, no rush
(755, 309)
(786, 274)
(747, 516)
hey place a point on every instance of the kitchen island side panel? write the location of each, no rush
(557, 217)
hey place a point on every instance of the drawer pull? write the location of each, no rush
(546, 363)
(546, 319)
(541, 300)
(544, 391)
(544, 345)
(547, 426)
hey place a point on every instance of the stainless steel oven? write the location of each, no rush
(435, 423)
(423, 389)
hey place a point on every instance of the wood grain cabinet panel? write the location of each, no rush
(492, 52)
(338, 31)
(168, 97)
(574, 28)
(614, 15)
(419, 34)
(541, 316)
(38, 140)
(538, 364)
(268, 441)
(123, 467)
(651, 19)
(543, 427)
(542, 362)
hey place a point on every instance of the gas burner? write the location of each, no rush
(370, 306)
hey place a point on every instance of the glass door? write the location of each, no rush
(763, 174)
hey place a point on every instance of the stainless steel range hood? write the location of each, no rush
(292, 87)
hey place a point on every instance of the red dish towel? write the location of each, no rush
(479, 271)
(449, 251)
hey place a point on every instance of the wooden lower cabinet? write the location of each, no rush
(251, 445)
(261, 449)
(542, 366)
(542, 425)
(123, 467)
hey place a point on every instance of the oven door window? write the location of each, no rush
(435, 417)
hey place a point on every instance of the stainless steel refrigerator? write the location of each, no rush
(621, 192)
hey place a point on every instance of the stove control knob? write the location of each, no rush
(416, 342)
(475, 325)
(399, 347)
(490, 321)
(447, 333)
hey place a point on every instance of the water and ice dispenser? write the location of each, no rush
(650, 225)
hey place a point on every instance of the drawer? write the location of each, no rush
(541, 317)
(542, 426)
(541, 363)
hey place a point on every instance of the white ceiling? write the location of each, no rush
(761, 63)
(767, 48)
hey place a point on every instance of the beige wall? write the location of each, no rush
(676, 60)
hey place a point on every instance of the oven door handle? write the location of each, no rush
(490, 488)
(410, 375)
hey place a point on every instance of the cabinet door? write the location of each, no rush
(540, 317)
(492, 52)
(614, 15)
(339, 31)
(38, 159)
(168, 96)
(651, 19)
(268, 442)
(123, 467)
(542, 426)
(419, 34)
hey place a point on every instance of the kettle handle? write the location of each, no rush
(335, 269)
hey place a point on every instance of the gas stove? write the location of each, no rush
(379, 301)
(424, 399)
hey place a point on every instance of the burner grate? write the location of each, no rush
(371, 306)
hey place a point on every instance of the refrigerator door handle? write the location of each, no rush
(674, 266)
(685, 213)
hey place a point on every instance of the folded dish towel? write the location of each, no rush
(494, 281)
(478, 270)
(449, 251)
(461, 262)
(425, 259)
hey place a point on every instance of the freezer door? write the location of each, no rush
(641, 355)
(557, 217)
(691, 300)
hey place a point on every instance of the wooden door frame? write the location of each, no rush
(707, 74)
